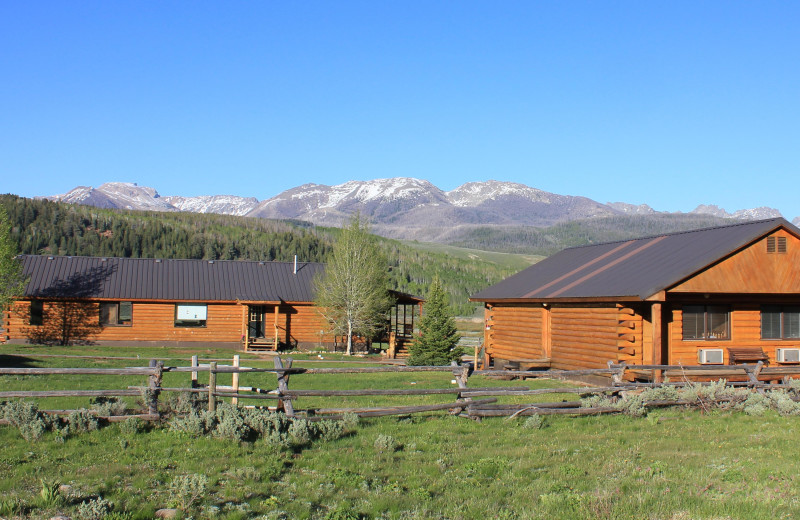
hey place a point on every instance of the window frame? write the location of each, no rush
(781, 311)
(36, 318)
(190, 323)
(120, 321)
(708, 313)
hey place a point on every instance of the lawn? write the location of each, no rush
(673, 464)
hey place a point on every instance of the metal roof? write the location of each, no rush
(176, 280)
(637, 268)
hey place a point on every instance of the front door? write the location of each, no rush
(255, 324)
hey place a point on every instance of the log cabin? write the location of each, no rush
(154, 302)
(715, 296)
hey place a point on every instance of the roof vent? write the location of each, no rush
(158, 260)
(210, 261)
(49, 257)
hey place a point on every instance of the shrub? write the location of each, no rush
(191, 424)
(534, 422)
(27, 418)
(108, 406)
(230, 423)
(185, 490)
(132, 426)
(386, 443)
(350, 421)
(330, 430)
(301, 432)
(96, 509)
(81, 421)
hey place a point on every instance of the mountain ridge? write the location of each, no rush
(398, 207)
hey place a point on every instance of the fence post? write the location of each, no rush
(154, 386)
(212, 386)
(194, 372)
(461, 373)
(235, 384)
(283, 386)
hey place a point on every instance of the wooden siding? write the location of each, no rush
(155, 322)
(515, 331)
(752, 270)
(745, 332)
(589, 336)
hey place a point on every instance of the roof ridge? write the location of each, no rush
(675, 233)
(170, 259)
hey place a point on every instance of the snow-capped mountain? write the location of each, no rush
(222, 204)
(401, 207)
(119, 195)
(380, 199)
(743, 214)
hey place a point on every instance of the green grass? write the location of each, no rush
(673, 464)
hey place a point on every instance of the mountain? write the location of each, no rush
(116, 195)
(401, 207)
(742, 214)
(220, 204)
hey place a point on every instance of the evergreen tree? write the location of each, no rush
(12, 281)
(438, 340)
(353, 294)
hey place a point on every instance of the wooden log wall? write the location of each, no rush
(515, 331)
(745, 332)
(155, 321)
(588, 336)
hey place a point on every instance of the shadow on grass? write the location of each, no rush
(12, 361)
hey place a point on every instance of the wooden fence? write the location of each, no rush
(473, 402)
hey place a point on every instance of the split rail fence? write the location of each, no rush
(472, 402)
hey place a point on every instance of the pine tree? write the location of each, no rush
(12, 281)
(438, 340)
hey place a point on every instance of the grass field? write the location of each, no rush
(673, 464)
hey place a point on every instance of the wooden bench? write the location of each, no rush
(746, 355)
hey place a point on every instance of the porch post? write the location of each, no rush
(277, 335)
(655, 319)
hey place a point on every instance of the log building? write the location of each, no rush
(720, 295)
(153, 302)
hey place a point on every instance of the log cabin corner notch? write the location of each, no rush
(142, 301)
(678, 298)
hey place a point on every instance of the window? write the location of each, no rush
(780, 322)
(191, 314)
(116, 313)
(706, 322)
(37, 312)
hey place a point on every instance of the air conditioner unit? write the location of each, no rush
(788, 355)
(710, 356)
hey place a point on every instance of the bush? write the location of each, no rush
(96, 509)
(81, 421)
(386, 443)
(534, 422)
(27, 418)
(132, 426)
(185, 490)
(108, 406)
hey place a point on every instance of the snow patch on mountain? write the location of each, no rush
(222, 204)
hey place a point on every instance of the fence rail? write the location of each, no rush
(474, 402)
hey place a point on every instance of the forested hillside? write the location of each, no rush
(45, 227)
(549, 240)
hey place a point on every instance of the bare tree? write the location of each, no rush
(353, 295)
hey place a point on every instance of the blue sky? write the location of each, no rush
(672, 104)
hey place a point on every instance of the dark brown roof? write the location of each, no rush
(176, 280)
(636, 268)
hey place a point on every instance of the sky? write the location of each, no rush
(671, 104)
